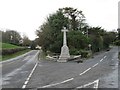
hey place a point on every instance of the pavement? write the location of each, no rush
(98, 72)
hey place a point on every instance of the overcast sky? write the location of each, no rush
(25, 16)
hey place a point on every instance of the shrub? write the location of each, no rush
(74, 51)
(11, 51)
(85, 54)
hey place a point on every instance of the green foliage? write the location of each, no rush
(33, 45)
(76, 17)
(12, 50)
(6, 46)
(97, 43)
(11, 36)
(100, 39)
(84, 54)
(77, 41)
(74, 51)
(26, 41)
(9, 56)
(117, 42)
(79, 36)
(50, 38)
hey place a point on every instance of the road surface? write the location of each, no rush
(98, 72)
(15, 72)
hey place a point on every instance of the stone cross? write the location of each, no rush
(64, 50)
(64, 30)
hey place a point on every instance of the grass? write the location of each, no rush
(42, 55)
(5, 57)
(8, 46)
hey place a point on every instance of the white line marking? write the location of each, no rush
(67, 80)
(105, 57)
(95, 65)
(57, 83)
(27, 80)
(101, 60)
(24, 86)
(85, 71)
(96, 82)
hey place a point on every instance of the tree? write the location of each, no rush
(96, 36)
(80, 34)
(33, 45)
(77, 41)
(50, 32)
(76, 17)
(26, 41)
(50, 35)
(11, 36)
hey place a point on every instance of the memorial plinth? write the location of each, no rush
(64, 50)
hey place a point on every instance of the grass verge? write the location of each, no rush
(42, 55)
(8, 46)
(5, 57)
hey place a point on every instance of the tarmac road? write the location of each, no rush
(15, 71)
(98, 72)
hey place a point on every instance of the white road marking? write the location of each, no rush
(50, 85)
(23, 86)
(85, 71)
(104, 57)
(57, 83)
(101, 60)
(63, 81)
(27, 80)
(96, 82)
(95, 65)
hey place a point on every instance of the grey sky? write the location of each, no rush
(26, 16)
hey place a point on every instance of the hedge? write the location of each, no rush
(11, 51)
(85, 54)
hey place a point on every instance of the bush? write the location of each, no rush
(117, 42)
(11, 51)
(85, 54)
(74, 51)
